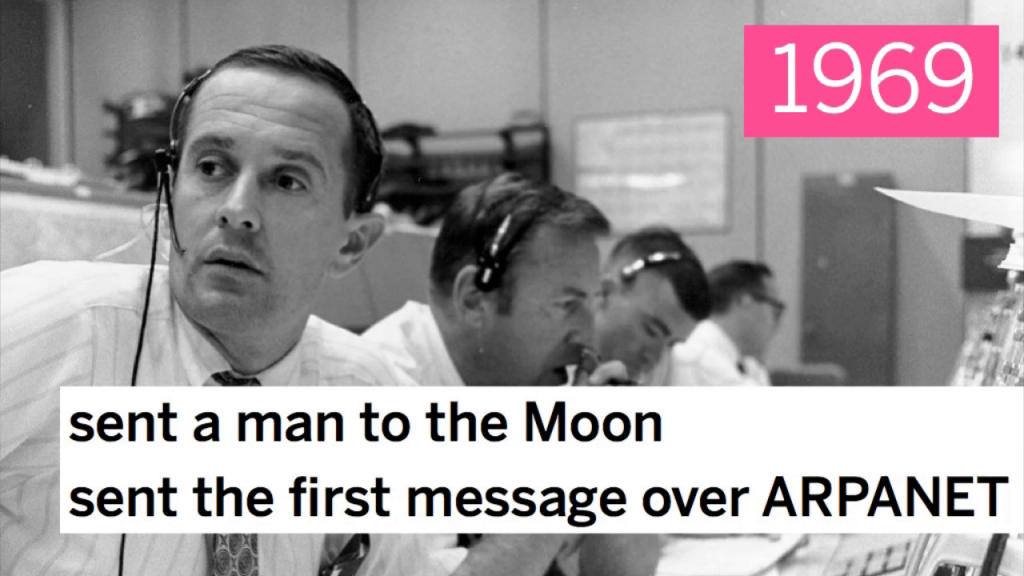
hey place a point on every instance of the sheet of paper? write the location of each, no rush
(1002, 210)
(726, 555)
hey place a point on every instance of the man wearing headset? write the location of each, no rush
(653, 294)
(274, 161)
(512, 278)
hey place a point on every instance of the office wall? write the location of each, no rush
(611, 57)
(117, 47)
(23, 94)
(215, 29)
(455, 64)
(929, 298)
(996, 165)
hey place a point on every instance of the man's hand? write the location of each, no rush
(592, 372)
(606, 374)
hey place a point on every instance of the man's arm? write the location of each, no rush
(619, 554)
(512, 555)
(45, 342)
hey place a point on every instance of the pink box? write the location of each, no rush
(766, 81)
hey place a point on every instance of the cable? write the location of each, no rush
(994, 555)
(120, 561)
(145, 316)
(149, 282)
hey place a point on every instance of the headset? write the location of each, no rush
(167, 160)
(629, 272)
(493, 257)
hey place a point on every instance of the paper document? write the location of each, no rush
(1002, 210)
(1005, 211)
(725, 555)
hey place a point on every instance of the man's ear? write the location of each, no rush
(364, 231)
(470, 304)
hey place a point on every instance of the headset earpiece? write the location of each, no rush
(364, 204)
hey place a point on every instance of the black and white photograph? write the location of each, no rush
(819, 196)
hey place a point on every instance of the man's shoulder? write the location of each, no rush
(399, 324)
(403, 338)
(74, 285)
(690, 350)
(696, 363)
(397, 334)
(344, 352)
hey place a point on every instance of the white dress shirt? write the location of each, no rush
(77, 324)
(411, 340)
(710, 358)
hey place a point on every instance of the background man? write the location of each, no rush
(524, 320)
(727, 349)
(653, 293)
(513, 274)
(276, 153)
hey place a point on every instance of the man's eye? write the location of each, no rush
(290, 183)
(654, 331)
(211, 168)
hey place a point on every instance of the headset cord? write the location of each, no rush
(149, 281)
(145, 316)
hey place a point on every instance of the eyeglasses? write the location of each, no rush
(778, 306)
(654, 259)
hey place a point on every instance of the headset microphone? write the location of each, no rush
(164, 161)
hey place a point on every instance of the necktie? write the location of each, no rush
(347, 563)
(229, 379)
(235, 553)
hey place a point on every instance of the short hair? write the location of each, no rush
(477, 211)
(686, 274)
(733, 279)
(367, 151)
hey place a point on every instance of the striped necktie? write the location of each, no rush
(235, 553)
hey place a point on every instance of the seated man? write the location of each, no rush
(653, 293)
(726, 349)
(513, 272)
(275, 159)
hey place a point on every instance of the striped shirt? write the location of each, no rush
(76, 324)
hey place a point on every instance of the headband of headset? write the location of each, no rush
(630, 271)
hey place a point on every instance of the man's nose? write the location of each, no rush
(581, 332)
(241, 207)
